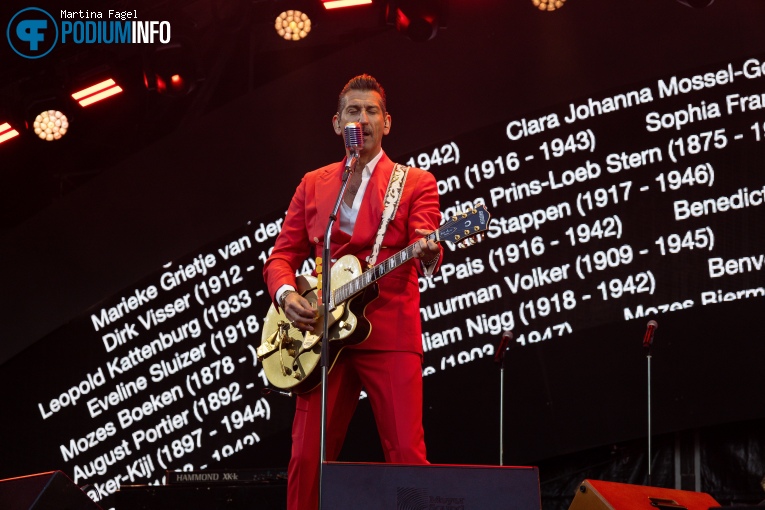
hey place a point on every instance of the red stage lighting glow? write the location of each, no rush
(7, 132)
(177, 83)
(336, 4)
(97, 92)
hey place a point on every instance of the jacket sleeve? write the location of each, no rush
(424, 212)
(291, 247)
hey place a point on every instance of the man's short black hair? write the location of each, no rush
(362, 82)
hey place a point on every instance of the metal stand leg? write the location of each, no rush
(502, 414)
(648, 357)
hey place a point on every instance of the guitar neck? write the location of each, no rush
(373, 274)
(457, 229)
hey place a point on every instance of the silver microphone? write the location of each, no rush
(354, 136)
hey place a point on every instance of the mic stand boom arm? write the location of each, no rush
(326, 296)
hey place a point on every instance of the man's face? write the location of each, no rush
(365, 107)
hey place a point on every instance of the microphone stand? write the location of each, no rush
(648, 359)
(504, 345)
(350, 167)
(502, 411)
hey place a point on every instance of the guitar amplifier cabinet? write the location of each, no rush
(599, 495)
(350, 486)
(201, 497)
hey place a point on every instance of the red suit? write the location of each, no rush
(388, 363)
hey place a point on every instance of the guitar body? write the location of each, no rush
(290, 356)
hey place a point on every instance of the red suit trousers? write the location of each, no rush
(393, 383)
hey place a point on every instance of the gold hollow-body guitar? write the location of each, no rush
(290, 356)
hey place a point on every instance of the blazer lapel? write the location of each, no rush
(327, 187)
(370, 213)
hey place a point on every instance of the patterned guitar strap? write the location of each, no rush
(391, 201)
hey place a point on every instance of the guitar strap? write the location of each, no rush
(391, 201)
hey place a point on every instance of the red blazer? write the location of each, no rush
(395, 314)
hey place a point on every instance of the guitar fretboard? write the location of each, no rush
(456, 225)
(371, 275)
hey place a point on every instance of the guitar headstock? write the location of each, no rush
(467, 227)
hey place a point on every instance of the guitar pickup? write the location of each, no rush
(310, 340)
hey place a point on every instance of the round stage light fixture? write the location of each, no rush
(548, 5)
(293, 25)
(50, 125)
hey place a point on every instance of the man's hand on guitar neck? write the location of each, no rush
(299, 311)
(426, 250)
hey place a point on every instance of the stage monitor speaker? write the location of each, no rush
(350, 486)
(599, 495)
(43, 491)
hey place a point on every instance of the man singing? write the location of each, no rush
(388, 364)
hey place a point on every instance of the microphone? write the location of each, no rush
(649, 331)
(354, 136)
(504, 343)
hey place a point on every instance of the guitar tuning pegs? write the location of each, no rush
(470, 241)
(465, 243)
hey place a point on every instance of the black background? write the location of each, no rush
(197, 188)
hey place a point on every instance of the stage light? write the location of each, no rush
(46, 111)
(50, 125)
(97, 92)
(419, 20)
(293, 25)
(170, 70)
(696, 4)
(7, 132)
(337, 4)
(548, 5)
